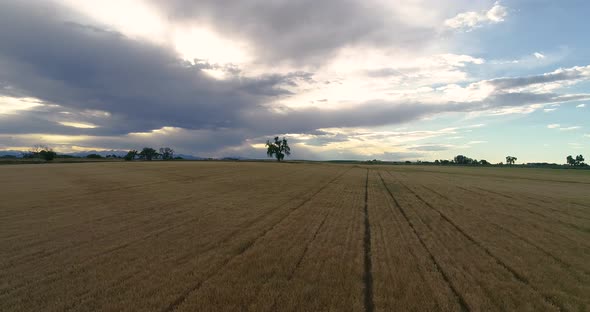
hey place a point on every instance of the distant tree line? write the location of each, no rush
(462, 160)
(43, 152)
(148, 153)
(577, 161)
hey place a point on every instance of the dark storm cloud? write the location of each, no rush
(303, 31)
(144, 86)
(378, 113)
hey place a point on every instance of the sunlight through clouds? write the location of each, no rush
(11, 105)
(339, 77)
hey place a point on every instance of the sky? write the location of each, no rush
(340, 79)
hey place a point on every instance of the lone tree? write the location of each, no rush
(278, 149)
(510, 160)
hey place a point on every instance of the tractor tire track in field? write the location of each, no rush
(462, 303)
(240, 227)
(39, 255)
(305, 250)
(180, 299)
(564, 264)
(368, 275)
(512, 198)
(574, 226)
(544, 217)
(50, 275)
(302, 256)
(519, 277)
(229, 236)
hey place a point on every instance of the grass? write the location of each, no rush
(185, 236)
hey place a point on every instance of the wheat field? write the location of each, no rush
(255, 236)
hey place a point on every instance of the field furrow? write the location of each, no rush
(265, 236)
(561, 242)
(277, 260)
(480, 276)
(407, 275)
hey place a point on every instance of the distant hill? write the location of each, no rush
(82, 154)
(11, 153)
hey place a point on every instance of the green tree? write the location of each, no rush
(580, 160)
(570, 160)
(278, 149)
(462, 160)
(510, 160)
(148, 153)
(131, 155)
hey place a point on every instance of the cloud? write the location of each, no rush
(11, 105)
(79, 83)
(576, 145)
(570, 128)
(581, 106)
(531, 61)
(559, 75)
(431, 147)
(560, 128)
(547, 110)
(470, 20)
(142, 86)
(276, 33)
(77, 125)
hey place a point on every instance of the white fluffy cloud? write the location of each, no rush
(470, 20)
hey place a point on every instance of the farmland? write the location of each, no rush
(208, 236)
